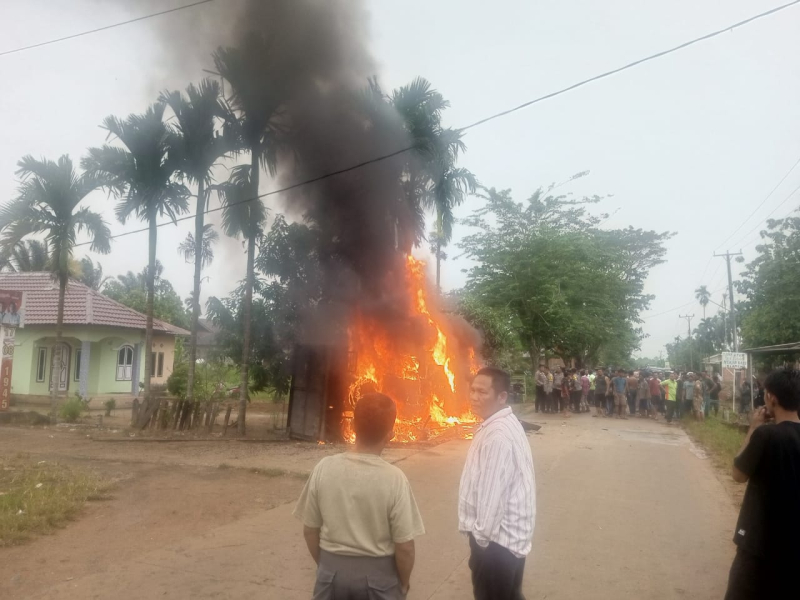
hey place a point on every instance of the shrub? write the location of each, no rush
(72, 409)
(110, 405)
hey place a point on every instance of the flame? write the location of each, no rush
(422, 379)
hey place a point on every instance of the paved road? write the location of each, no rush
(626, 509)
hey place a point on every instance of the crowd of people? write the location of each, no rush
(622, 394)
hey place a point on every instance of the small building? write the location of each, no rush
(102, 348)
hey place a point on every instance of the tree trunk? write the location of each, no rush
(248, 296)
(198, 263)
(534, 352)
(62, 291)
(438, 265)
(149, 405)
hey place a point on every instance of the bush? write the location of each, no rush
(72, 409)
(110, 405)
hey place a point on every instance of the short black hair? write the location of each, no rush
(373, 418)
(630, 372)
(501, 380)
(784, 384)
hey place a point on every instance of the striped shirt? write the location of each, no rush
(497, 495)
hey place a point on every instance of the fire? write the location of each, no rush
(425, 370)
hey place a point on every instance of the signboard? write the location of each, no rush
(12, 315)
(734, 360)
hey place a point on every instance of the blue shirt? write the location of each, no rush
(619, 384)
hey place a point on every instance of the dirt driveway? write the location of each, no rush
(626, 509)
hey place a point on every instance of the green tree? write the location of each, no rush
(196, 149)
(91, 274)
(256, 98)
(770, 285)
(48, 203)
(498, 327)
(140, 175)
(703, 297)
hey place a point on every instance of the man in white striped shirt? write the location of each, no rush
(497, 496)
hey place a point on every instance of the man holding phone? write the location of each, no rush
(768, 530)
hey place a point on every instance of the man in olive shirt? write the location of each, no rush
(359, 514)
(768, 530)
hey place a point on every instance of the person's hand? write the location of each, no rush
(759, 417)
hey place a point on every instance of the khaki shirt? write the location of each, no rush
(362, 505)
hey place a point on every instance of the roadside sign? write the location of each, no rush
(734, 360)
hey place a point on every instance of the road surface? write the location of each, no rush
(626, 509)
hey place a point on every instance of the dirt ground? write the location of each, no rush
(625, 509)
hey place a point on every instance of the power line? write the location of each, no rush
(104, 28)
(785, 200)
(789, 172)
(669, 310)
(481, 121)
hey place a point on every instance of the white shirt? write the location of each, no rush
(497, 495)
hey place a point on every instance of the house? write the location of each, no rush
(102, 348)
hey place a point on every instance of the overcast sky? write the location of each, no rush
(690, 143)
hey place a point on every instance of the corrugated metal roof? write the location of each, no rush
(82, 305)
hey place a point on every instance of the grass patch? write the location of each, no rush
(38, 497)
(722, 441)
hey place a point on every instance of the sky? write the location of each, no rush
(691, 143)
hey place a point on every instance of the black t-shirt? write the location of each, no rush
(715, 389)
(768, 524)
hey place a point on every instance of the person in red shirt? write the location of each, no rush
(655, 395)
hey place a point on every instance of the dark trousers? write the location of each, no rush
(754, 578)
(671, 404)
(496, 572)
(575, 400)
(632, 402)
(541, 399)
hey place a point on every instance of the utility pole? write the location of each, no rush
(691, 352)
(727, 256)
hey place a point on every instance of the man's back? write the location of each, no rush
(772, 461)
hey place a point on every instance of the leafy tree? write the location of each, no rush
(130, 289)
(196, 149)
(140, 175)
(501, 344)
(91, 274)
(576, 290)
(48, 202)
(703, 297)
(770, 284)
(256, 99)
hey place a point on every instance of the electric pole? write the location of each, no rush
(727, 256)
(689, 324)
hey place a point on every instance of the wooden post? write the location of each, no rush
(135, 411)
(227, 419)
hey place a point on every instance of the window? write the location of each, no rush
(41, 364)
(77, 365)
(156, 364)
(124, 363)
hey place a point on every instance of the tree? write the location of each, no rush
(256, 98)
(140, 176)
(576, 290)
(91, 274)
(48, 203)
(197, 148)
(770, 284)
(703, 297)
(26, 256)
(130, 289)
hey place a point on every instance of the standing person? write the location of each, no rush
(633, 386)
(745, 398)
(768, 530)
(759, 398)
(565, 393)
(576, 391)
(698, 404)
(620, 385)
(679, 395)
(541, 382)
(655, 395)
(688, 394)
(643, 395)
(548, 389)
(359, 514)
(600, 389)
(497, 495)
(670, 387)
(558, 380)
(585, 385)
(713, 395)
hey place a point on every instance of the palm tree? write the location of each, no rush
(91, 274)
(140, 176)
(198, 148)
(703, 297)
(188, 247)
(48, 203)
(26, 256)
(256, 101)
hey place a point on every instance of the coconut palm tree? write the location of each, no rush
(91, 274)
(256, 100)
(199, 146)
(26, 256)
(703, 297)
(188, 247)
(48, 203)
(140, 175)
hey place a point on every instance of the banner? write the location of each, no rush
(734, 360)
(12, 309)
(6, 367)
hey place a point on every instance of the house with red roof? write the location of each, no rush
(102, 351)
